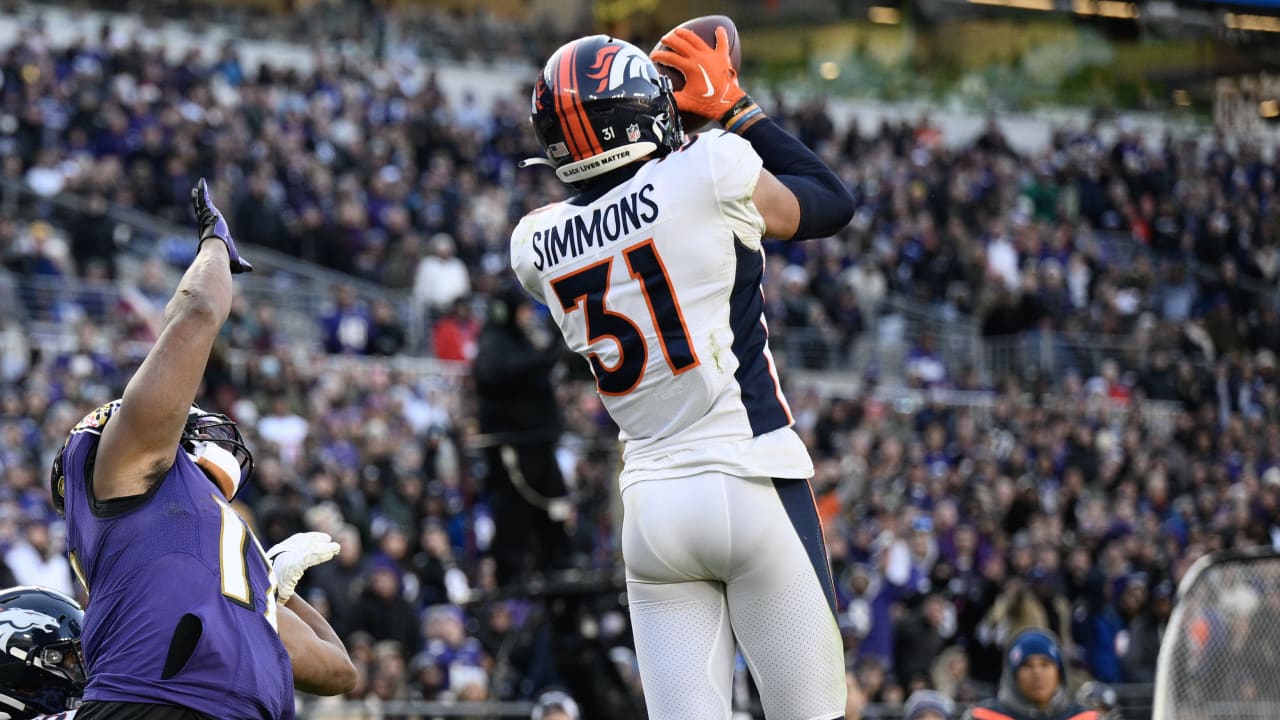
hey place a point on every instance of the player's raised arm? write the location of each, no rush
(138, 444)
(799, 197)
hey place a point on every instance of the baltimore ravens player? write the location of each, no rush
(652, 271)
(185, 605)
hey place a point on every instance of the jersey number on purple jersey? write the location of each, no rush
(233, 560)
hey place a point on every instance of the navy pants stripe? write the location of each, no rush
(797, 498)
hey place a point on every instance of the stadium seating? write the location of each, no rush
(1037, 386)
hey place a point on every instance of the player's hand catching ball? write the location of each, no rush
(291, 557)
(213, 225)
(710, 81)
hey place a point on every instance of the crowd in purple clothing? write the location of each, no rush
(949, 527)
(367, 167)
(1053, 500)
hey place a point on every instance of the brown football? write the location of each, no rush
(705, 26)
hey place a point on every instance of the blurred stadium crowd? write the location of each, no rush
(1056, 501)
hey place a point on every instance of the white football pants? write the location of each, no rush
(713, 559)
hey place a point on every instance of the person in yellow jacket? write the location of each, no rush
(1033, 685)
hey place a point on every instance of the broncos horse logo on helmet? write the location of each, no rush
(599, 104)
(615, 64)
(41, 666)
(20, 620)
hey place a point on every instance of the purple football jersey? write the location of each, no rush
(180, 549)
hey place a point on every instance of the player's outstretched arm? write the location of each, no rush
(321, 665)
(799, 197)
(139, 442)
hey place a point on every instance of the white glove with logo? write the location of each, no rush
(291, 557)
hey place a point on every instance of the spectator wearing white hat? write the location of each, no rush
(555, 705)
(442, 277)
(928, 705)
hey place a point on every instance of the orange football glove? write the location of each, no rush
(710, 82)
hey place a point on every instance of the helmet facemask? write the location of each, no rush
(214, 444)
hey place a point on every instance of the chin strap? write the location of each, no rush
(597, 164)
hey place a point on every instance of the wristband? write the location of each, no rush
(742, 115)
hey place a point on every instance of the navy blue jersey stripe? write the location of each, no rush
(797, 499)
(760, 393)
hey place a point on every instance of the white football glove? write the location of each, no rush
(291, 557)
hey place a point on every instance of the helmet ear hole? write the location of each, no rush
(58, 483)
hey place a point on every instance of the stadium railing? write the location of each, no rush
(376, 710)
(407, 368)
(300, 292)
(891, 328)
(297, 289)
(1118, 248)
(1134, 701)
(51, 306)
(1048, 354)
(1158, 416)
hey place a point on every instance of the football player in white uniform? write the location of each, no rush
(652, 271)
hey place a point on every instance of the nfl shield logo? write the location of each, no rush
(633, 132)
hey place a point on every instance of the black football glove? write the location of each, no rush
(213, 225)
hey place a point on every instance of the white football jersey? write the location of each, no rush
(657, 283)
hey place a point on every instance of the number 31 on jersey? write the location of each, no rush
(587, 289)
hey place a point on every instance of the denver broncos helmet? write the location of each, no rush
(599, 104)
(41, 666)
